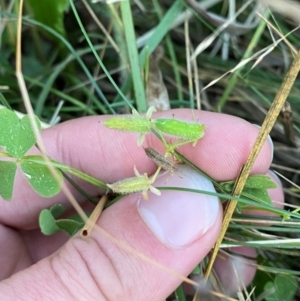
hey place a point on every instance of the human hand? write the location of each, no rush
(176, 229)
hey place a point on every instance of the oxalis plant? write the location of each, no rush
(17, 137)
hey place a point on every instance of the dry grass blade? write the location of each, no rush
(267, 125)
(258, 56)
(288, 180)
(235, 28)
(290, 9)
(92, 220)
(161, 160)
(209, 40)
(156, 91)
(286, 41)
(287, 119)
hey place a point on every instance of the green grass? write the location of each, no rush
(63, 64)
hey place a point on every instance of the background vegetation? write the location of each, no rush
(96, 58)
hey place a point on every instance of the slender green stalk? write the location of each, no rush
(162, 29)
(135, 67)
(67, 169)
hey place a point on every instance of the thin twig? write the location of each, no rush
(92, 220)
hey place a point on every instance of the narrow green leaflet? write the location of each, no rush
(7, 177)
(17, 135)
(132, 123)
(181, 129)
(40, 178)
(283, 288)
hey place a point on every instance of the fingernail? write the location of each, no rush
(269, 139)
(178, 218)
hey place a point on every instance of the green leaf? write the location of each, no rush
(7, 177)
(16, 136)
(255, 189)
(50, 13)
(255, 182)
(49, 225)
(284, 288)
(70, 226)
(261, 278)
(260, 182)
(57, 209)
(77, 218)
(47, 222)
(162, 29)
(258, 195)
(40, 178)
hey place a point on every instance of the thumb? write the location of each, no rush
(176, 230)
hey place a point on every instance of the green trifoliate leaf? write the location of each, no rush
(16, 136)
(283, 288)
(50, 225)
